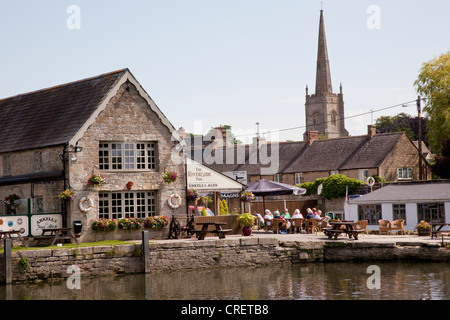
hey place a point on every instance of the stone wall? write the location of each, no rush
(211, 253)
(127, 117)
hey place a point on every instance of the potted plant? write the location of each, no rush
(246, 221)
(97, 179)
(67, 195)
(423, 228)
(10, 203)
(170, 176)
(247, 196)
(192, 195)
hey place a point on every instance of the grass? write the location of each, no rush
(70, 245)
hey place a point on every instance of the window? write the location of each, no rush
(333, 172)
(363, 174)
(333, 118)
(404, 173)
(431, 212)
(399, 212)
(371, 213)
(127, 155)
(130, 204)
(298, 178)
(277, 178)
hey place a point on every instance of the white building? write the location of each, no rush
(412, 202)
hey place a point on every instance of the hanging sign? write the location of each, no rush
(201, 177)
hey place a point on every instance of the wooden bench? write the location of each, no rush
(353, 233)
(201, 233)
(221, 232)
(56, 234)
(330, 232)
(7, 234)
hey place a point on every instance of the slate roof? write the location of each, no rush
(51, 116)
(355, 152)
(407, 193)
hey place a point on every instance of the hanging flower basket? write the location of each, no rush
(247, 196)
(97, 179)
(67, 195)
(9, 200)
(170, 176)
(192, 195)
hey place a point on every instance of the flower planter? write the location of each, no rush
(125, 235)
(247, 231)
(423, 233)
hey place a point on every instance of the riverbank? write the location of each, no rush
(183, 254)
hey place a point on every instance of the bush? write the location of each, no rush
(333, 186)
(246, 220)
(310, 188)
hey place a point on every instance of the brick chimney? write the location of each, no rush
(371, 131)
(310, 136)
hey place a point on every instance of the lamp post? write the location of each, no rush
(420, 137)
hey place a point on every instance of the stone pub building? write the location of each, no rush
(54, 139)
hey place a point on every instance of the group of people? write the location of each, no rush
(285, 216)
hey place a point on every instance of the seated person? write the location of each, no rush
(285, 224)
(276, 215)
(297, 214)
(310, 214)
(286, 214)
(260, 219)
(268, 215)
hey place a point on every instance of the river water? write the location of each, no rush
(387, 280)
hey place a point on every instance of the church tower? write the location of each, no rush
(324, 110)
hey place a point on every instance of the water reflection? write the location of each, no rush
(399, 280)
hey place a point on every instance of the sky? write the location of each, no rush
(207, 63)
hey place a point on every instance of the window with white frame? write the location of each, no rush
(127, 155)
(399, 211)
(298, 178)
(333, 172)
(431, 212)
(127, 204)
(404, 173)
(371, 213)
(363, 174)
(277, 178)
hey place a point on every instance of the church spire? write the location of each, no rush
(323, 76)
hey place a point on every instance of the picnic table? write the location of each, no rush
(7, 234)
(336, 229)
(201, 233)
(56, 234)
(439, 226)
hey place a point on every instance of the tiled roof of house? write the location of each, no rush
(51, 116)
(408, 192)
(356, 152)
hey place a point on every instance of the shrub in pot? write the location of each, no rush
(246, 220)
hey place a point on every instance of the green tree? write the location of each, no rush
(402, 122)
(433, 83)
(441, 167)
